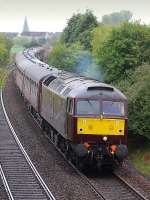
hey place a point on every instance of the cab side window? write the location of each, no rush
(69, 106)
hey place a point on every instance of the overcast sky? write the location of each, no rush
(52, 15)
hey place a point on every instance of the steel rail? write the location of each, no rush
(79, 173)
(43, 184)
(7, 188)
(86, 179)
(71, 164)
(130, 186)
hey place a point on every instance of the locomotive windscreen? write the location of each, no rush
(88, 107)
(113, 108)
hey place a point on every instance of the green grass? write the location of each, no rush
(3, 75)
(139, 153)
(141, 161)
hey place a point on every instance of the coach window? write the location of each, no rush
(69, 106)
(113, 108)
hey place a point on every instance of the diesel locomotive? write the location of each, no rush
(84, 118)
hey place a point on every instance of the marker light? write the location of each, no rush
(104, 138)
(87, 145)
(113, 148)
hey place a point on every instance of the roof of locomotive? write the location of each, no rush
(32, 67)
(72, 85)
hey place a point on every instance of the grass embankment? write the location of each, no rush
(3, 75)
(139, 153)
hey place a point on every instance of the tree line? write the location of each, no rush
(121, 48)
(5, 46)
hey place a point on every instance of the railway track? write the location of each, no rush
(109, 187)
(20, 177)
(112, 187)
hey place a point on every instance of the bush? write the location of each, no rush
(126, 48)
(5, 45)
(62, 56)
(117, 18)
(79, 29)
(99, 36)
(4, 56)
(137, 89)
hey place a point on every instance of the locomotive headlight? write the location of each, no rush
(104, 138)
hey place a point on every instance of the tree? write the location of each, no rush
(5, 45)
(126, 48)
(62, 56)
(137, 89)
(117, 18)
(79, 28)
(5, 41)
(22, 41)
(4, 55)
(99, 36)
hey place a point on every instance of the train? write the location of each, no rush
(86, 119)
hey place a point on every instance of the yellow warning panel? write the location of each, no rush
(98, 126)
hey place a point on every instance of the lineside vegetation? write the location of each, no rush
(3, 76)
(5, 46)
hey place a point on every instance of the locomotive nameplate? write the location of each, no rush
(100, 126)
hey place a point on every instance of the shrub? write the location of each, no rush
(62, 56)
(137, 89)
(126, 48)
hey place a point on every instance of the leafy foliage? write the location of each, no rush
(126, 48)
(79, 29)
(5, 45)
(25, 42)
(3, 76)
(62, 56)
(137, 89)
(120, 50)
(117, 18)
(99, 36)
(20, 43)
(4, 55)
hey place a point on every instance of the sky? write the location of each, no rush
(52, 15)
